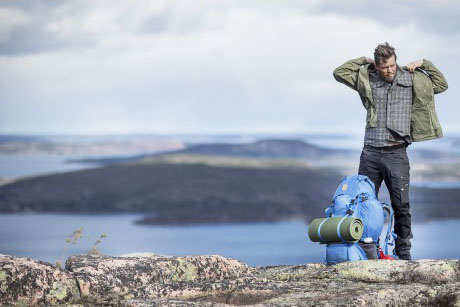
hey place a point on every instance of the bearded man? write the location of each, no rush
(400, 110)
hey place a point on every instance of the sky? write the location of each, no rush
(208, 66)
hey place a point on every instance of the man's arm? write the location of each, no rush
(348, 72)
(439, 82)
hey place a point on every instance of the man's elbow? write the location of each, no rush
(441, 88)
(445, 87)
(337, 74)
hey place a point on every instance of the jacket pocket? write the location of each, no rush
(423, 91)
(422, 98)
(421, 120)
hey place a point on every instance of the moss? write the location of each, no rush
(451, 266)
(365, 271)
(3, 277)
(22, 302)
(284, 277)
(57, 294)
(183, 270)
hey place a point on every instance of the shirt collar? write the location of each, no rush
(375, 78)
(403, 77)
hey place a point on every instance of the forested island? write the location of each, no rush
(264, 181)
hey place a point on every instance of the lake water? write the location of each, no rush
(42, 236)
(21, 165)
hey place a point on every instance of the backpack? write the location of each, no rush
(355, 197)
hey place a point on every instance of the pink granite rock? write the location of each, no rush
(154, 280)
(29, 282)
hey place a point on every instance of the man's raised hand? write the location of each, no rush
(412, 66)
(370, 61)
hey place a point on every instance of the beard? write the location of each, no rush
(389, 78)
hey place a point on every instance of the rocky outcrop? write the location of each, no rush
(150, 277)
(155, 280)
(26, 282)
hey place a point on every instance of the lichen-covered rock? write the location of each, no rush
(154, 276)
(156, 280)
(25, 282)
(421, 271)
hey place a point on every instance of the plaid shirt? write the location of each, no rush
(393, 102)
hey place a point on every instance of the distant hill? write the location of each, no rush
(19, 138)
(292, 149)
(178, 193)
(19, 144)
(262, 149)
(272, 149)
(188, 190)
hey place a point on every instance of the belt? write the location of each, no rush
(386, 148)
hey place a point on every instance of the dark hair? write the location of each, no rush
(383, 52)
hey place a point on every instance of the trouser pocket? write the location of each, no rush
(397, 179)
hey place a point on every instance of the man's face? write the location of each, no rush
(387, 69)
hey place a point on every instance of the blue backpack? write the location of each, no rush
(356, 197)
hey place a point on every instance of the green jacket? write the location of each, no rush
(427, 81)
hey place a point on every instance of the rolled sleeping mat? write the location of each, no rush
(336, 229)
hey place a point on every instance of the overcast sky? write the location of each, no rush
(208, 66)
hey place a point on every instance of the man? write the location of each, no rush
(400, 110)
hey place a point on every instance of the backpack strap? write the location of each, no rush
(330, 209)
(359, 199)
(390, 235)
(340, 194)
(319, 231)
(338, 228)
(368, 180)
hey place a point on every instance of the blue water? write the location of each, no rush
(21, 165)
(42, 236)
(437, 184)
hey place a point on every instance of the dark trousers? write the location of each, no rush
(392, 166)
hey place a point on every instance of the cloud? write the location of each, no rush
(439, 17)
(201, 66)
(11, 19)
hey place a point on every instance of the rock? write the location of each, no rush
(155, 276)
(157, 280)
(25, 282)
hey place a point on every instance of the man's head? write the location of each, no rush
(385, 61)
